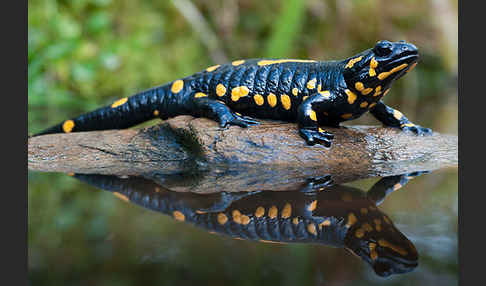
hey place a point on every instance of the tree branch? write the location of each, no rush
(194, 154)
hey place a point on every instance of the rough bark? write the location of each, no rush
(189, 154)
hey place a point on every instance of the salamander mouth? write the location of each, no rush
(410, 59)
(407, 59)
(386, 266)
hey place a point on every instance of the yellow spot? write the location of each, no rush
(351, 220)
(351, 62)
(412, 67)
(347, 115)
(178, 215)
(372, 72)
(67, 126)
(397, 186)
(351, 96)
(295, 91)
(259, 100)
(373, 63)
(373, 66)
(397, 114)
(321, 130)
(359, 86)
(119, 102)
(363, 104)
(384, 75)
(372, 105)
(222, 218)
(272, 100)
(311, 228)
(378, 224)
(156, 112)
(212, 68)
(295, 220)
(177, 86)
(367, 227)
(220, 89)
(364, 210)
(324, 223)
(346, 197)
(304, 98)
(273, 212)
(397, 249)
(387, 220)
(121, 196)
(313, 115)
(70, 174)
(377, 91)
(237, 63)
(319, 88)
(408, 125)
(386, 91)
(285, 99)
(373, 254)
(200, 94)
(238, 92)
(245, 219)
(311, 84)
(312, 206)
(286, 211)
(271, 62)
(366, 91)
(325, 93)
(260, 211)
(359, 233)
(236, 216)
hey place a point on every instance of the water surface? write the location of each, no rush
(86, 234)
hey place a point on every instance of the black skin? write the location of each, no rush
(335, 204)
(315, 94)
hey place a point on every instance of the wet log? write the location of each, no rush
(195, 154)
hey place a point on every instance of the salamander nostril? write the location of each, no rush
(409, 48)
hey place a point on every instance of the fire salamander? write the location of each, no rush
(312, 93)
(340, 216)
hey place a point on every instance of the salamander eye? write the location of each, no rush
(383, 48)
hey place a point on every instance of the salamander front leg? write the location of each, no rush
(218, 111)
(308, 124)
(394, 118)
(387, 185)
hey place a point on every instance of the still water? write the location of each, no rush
(106, 230)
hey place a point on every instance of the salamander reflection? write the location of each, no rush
(339, 216)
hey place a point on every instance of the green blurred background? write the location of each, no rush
(83, 54)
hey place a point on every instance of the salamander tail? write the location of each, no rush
(123, 113)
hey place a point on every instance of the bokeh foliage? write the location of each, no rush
(86, 53)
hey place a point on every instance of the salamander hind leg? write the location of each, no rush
(218, 111)
(309, 128)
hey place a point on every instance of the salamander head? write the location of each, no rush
(381, 245)
(373, 71)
